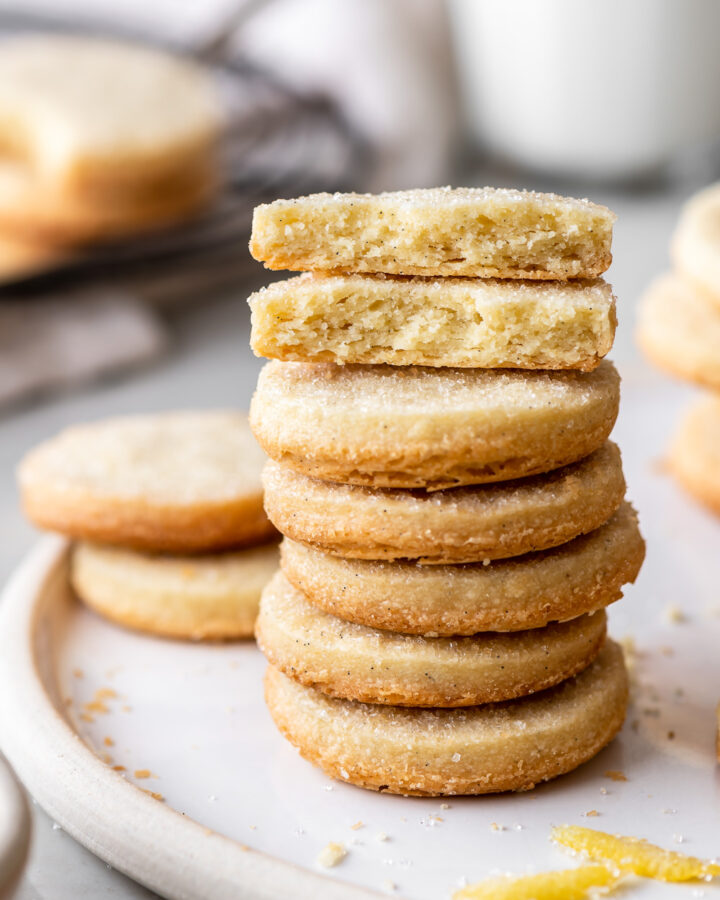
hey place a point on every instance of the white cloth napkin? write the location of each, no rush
(70, 339)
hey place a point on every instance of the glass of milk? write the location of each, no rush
(606, 89)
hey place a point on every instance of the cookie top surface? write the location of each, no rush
(437, 231)
(468, 322)
(171, 459)
(175, 481)
(74, 100)
(415, 390)
(475, 199)
(679, 329)
(390, 426)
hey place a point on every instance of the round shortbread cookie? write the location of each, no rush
(481, 232)
(177, 482)
(507, 746)
(66, 222)
(386, 426)
(78, 167)
(695, 245)
(695, 452)
(467, 322)
(468, 524)
(209, 597)
(679, 329)
(359, 663)
(583, 575)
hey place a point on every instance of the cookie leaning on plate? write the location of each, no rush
(176, 482)
(467, 322)
(359, 663)
(388, 426)
(460, 525)
(80, 166)
(208, 597)
(679, 329)
(480, 232)
(529, 591)
(695, 452)
(507, 746)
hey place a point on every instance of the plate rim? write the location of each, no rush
(15, 830)
(178, 858)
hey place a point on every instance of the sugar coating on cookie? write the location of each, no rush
(180, 482)
(485, 232)
(479, 323)
(360, 663)
(469, 524)
(88, 163)
(529, 591)
(695, 452)
(389, 426)
(482, 749)
(696, 240)
(213, 596)
(679, 329)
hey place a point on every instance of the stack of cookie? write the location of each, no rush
(436, 412)
(679, 329)
(167, 511)
(101, 139)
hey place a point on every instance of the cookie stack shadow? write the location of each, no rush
(679, 330)
(436, 412)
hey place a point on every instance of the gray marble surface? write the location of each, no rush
(209, 364)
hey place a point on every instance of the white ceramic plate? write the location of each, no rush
(14, 830)
(193, 717)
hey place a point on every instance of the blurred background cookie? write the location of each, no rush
(679, 330)
(694, 455)
(77, 168)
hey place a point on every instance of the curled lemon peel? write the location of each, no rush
(635, 855)
(565, 884)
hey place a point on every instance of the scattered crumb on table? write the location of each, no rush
(332, 854)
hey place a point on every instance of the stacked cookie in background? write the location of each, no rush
(437, 412)
(167, 512)
(679, 330)
(102, 140)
